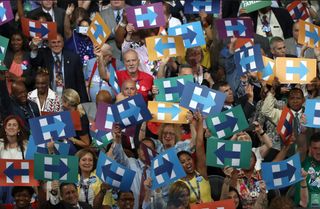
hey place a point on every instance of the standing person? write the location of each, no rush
(46, 99)
(65, 67)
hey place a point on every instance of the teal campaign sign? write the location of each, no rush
(250, 5)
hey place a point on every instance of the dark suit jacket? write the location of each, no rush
(230, 8)
(10, 107)
(58, 15)
(283, 18)
(73, 73)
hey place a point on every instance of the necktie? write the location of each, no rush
(118, 18)
(266, 25)
(142, 189)
(58, 71)
(296, 124)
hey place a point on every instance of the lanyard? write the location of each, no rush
(85, 188)
(196, 192)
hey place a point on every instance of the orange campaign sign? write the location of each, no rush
(309, 34)
(164, 46)
(295, 70)
(167, 112)
(222, 204)
(98, 31)
(268, 72)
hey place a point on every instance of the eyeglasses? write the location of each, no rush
(168, 134)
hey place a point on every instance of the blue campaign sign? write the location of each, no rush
(282, 174)
(195, 6)
(312, 112)
(165, 169)
(55, 126)
(131, 111)
(196, 97)
(192, 34)
(114, 174)
(249, 60)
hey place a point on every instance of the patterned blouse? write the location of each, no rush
(52, 103)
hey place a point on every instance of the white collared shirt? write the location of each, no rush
(49, 12)
(275, 27)
(115, 12)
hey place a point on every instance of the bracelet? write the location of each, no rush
(263, 133)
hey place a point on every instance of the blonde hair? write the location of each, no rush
(177, 131)
(72, 98)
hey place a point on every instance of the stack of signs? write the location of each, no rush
(146, 16)
(224, 153)
(282, 174)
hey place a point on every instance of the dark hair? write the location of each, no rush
(183, 152)
(294, 90)
(40, 14)
(24, 40)
(85, 19)
(315, 137)
(66, 184)
(42, 72)
(217, 86)
(232, 189)
(281, 203)
(18, 189)
(121, 192)
(78, 12)
(22, 134)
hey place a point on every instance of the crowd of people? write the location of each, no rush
(70, 73)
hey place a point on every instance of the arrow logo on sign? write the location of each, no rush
(313, 35)
(246, 60)
(110, 173)
(62, 168)
(189, 35)
(239, 27)
(302, 70)
(222, 153)
(174, 110)
(11, 172)
(175, 89)
(166, 167)
(132, 111)
(206, 101)
(57, 125)
(297, 13)
(199, 4)
(2, 11)
(160, 47)
(267, 71)
(42, 30)
(230, 122)
(98, 31)
(150, 16)
(289, 172)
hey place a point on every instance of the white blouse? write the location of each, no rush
(11, 153)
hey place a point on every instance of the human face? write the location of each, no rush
(185, 71)
(228, 91)
(131, 62)
(117, 4)
(126, 200)
(295, 100)
(16, 42)
(279, 49)
(141, 153)
(233, 195)
(295, 31)
(86, 163)
(187, 163)
(168, 137)
(47, 4)
(12, 127)
(42, 84)
(20, 93)
(69, 194)
(185, 198)
(56, 45)
(315, 150)
(22, 199)
(129, 89)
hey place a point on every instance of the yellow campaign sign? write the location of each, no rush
(268, 71)
(98, 31)
(295, 70)
(309, 34)
(164, 46)
(167, 112)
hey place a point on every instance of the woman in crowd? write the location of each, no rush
(180, 191)
(90, 187)
(71, 102)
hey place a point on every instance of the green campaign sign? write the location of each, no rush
(251, 6)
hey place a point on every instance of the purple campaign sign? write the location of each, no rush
(6, 14)
(238, 27)
(146, 16)
(104, 117)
